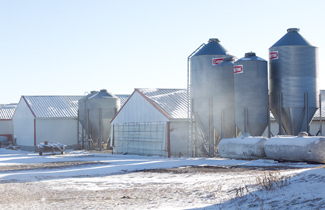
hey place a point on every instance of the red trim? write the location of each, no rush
(122, 106)
(9, 136)
(29, 107)
(35, 132)
(153, 104)
(168, 139)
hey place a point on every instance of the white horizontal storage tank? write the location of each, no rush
(246, 147)
(293, 148)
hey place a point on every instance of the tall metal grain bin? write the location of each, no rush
(224, 99)
(293, 78)
(83, 109)
(102, 108)
(203, 65)
(251, 94)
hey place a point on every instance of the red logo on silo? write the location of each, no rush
(216, 61)
(274, 55)
(238, 69)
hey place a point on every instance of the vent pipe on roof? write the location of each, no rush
(214, 40)
(293, 30)
(250, 54)
(228, 59)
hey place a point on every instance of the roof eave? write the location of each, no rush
(56, 118)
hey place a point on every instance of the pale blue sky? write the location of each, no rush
(62, 47)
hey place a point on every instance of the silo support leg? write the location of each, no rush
(211, 133)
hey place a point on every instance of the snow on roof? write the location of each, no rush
(7, 111)
(53, 106)
(123, 98)
(172, 101)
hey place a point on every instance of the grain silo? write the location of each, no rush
(251, 94)
(83, 117)
(224, 99)
(102, 108)
(83, 109)
(203, 64)
(293, 81)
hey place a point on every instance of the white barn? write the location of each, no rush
(46, 118)
(152, 122)
(6, 114)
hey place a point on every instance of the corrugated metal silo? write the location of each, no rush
(251, 94)
(224, 99)
(83, 110)
(102, 108)
(293, 77)
(203, 64)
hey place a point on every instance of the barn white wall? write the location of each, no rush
(23, 124)
(5, 127)
(138, 109)
(58, 130)
(178, 138)
(315, 126)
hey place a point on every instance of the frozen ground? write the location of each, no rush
(82, 180)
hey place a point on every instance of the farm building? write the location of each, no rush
(152, 122)
(6, 114)
(46, 118)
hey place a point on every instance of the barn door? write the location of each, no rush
(140, 138)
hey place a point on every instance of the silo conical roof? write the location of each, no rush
(212, 48)
(251, 56)
(292, 37)
(103, 94)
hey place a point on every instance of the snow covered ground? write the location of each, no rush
(83, 180)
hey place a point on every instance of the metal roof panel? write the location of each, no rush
(7, 111)
(53, 106)
(123, 98)
(172, 101)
